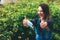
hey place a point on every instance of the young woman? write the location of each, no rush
(43, 25)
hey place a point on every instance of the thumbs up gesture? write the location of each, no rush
(25, 21)
(43, 24)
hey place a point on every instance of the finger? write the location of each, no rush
(41, 18)
(24, 17)
(24, 23)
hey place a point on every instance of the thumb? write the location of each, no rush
(24, 17)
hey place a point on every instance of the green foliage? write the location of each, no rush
(11, 17)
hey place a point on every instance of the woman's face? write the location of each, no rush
(40, 12)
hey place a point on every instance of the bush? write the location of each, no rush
(11, 16)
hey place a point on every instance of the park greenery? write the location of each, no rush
(12, 15)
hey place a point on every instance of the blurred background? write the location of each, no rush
(11, 18)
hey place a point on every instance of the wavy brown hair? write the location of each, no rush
(46, 11)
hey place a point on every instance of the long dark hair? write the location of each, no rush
(46, 11)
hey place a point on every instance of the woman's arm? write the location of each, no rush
(50, 23)
(32, 22)
(46, 24)
(29, 23)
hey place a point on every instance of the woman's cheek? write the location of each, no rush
(38, 13)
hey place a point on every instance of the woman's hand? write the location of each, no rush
(25, 21)
(43, 24)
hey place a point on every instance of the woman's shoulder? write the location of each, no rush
(34, 20)
(51, 21)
